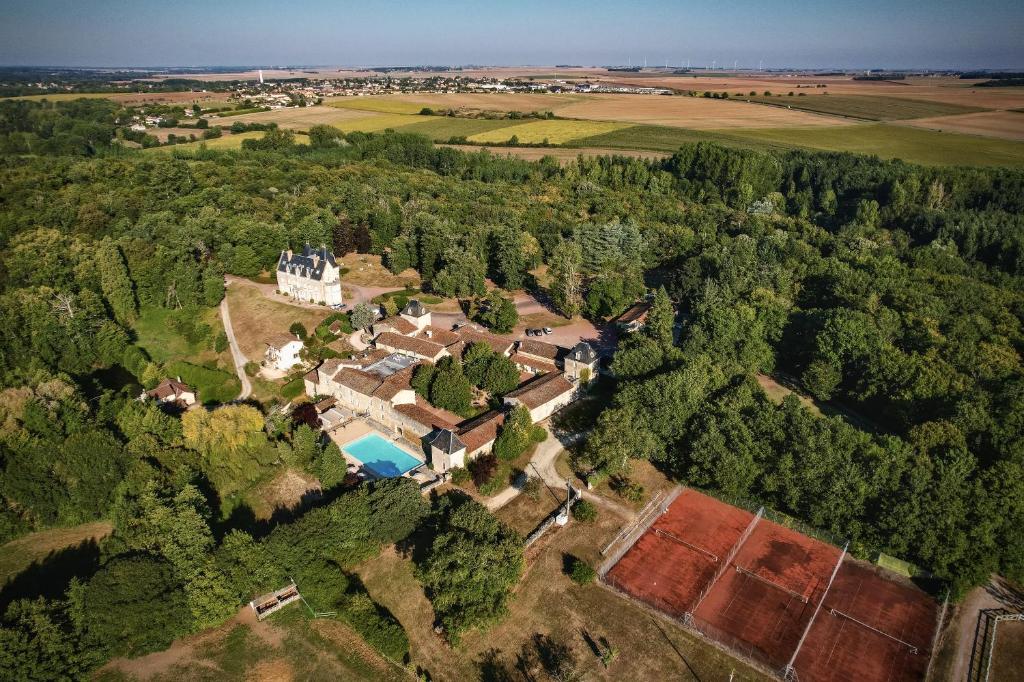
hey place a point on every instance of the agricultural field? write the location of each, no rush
(1008, 125)
(554, 132)
(295, 118)
(695, 113)
(444, 128)
(226, 142)
(868, 108)
(466, 101)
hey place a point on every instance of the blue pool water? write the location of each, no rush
(381, 456)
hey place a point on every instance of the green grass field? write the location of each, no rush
(225, 143)
(868, 108)
(555, 131)
(378, 123)
(383, 106)
(927, 147)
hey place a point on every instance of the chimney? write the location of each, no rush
(430, 333)
(289, 252)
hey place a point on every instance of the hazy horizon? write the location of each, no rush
(953, 34)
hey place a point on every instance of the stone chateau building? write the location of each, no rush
(312, 275)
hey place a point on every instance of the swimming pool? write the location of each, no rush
(381, 456)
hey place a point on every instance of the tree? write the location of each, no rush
(516, 434)
(513, 253)
(566, 278)
(449, 388)
(661, 319)
(470, 568)
(501, 376)
(461, 276)
(135, 605)
(298, 329)
(581, 572)
(422, 378)
(363, 315)
(496, 312)
(115, 282)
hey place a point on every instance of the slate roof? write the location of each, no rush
(583, 352)
(447, 442)
(309, 263)
(414, 309)
(548, 351)
(541, 390)
(421, 347)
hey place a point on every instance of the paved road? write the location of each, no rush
(236, 353)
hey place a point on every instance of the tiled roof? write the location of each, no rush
(421, 413)
(540, 349)
(168, 388)
(444, 337)
(533, 363)
(421, 347)
(481, 430)
(358, 380)
(280, 340)
(304, 264)
(636, 313)
(541, 390)
(399, 324)
(326, 404)
(394, 383)
(497, 343)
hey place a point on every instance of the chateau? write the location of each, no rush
(312, 275)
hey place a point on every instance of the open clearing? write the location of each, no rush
(1008, 125)
(255, 317)
(554, 132)
(17, 555)
(697, 113)
(869, 108)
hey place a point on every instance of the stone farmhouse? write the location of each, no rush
(312, 276)
(377, 383)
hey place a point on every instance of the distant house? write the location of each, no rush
(635, 318)
(581, 356)
(283, 352)
(173, 391)
(312, 276)
(543, 396)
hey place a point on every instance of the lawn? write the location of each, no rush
(554, 132)
(156, 336)
(17, 555)
(255, 317)
(870, 108)
(365, 269)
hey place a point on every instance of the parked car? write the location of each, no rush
(547, 330)
(533, 332)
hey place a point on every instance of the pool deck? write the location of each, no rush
(356, 429)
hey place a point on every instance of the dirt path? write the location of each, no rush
(236, 353)
(965, 627)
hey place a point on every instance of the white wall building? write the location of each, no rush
(283, 352)
(312, 275)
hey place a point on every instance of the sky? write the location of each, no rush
(861, 34)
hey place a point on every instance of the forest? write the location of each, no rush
(889, 291)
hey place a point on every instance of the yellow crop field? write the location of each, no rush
(225, 143)
(384, 105)
(378, 123)
(554, 131)
(294, 118)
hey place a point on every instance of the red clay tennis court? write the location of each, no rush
(871, 627)
(763, 590)
(768, 595)
(671, 562)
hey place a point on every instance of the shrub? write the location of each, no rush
(251, 368)
(375, 624)
(460, 476)
(539, 434)
(581, 572)
(584, 511)
(627, 489)
(532, 488)
(220, 344)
